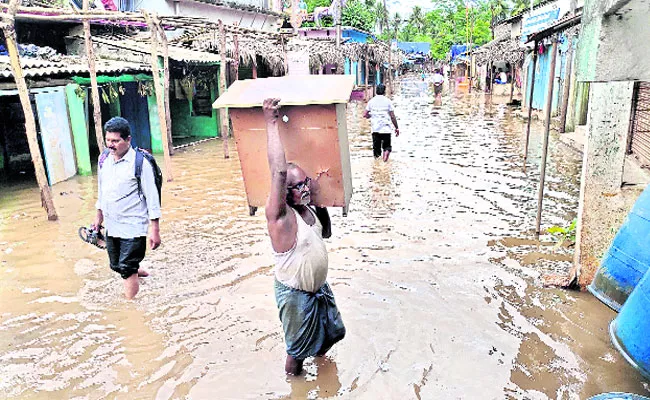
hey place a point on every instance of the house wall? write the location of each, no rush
(613, 48)
(603, 203)
(184, 124)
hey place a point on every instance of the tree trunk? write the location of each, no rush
(94, 89)
(9, 30)
(255, 70)
(165, 54)
(223, 115)
(158, 87)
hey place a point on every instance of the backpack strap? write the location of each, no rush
(139, 157)
(103, 156)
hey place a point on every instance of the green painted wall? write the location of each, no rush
(76, 110)
(184, 124)
(154, 123)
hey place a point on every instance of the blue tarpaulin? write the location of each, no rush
(457, 50)
(414, 47)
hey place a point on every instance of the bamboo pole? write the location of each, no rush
(530, 104)
(223, 115)
(567, 86)
(547, 129)
(94, 89)
(158, 88)
(8, 27)
(165, 54)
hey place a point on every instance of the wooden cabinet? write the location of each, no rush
(313, 131)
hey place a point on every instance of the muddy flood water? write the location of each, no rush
(436, 271)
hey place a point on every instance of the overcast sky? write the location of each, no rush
(404, 7)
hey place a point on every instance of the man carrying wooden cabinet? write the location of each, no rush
(310, 319)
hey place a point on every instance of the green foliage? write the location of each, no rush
(311, 4)
(566, 234)
(357, 14)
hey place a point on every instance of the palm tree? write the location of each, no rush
(396, 22)
(381, 15)
(417, 18)
(499, 10)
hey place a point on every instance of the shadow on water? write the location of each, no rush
(436, 271)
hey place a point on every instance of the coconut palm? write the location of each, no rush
(396, 22)
(499, 10)
(417, 18)
(381, 15)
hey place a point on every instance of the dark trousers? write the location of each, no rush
(125, 255)
(380, 143)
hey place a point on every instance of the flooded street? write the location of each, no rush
(436, 271)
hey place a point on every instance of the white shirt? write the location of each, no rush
(379, 108)
(126, 213)
(438, 79)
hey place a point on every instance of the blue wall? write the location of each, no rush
(541, 80)
(355, 35)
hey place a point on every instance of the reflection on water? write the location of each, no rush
(436, 272)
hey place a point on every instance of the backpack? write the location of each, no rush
(141, 154)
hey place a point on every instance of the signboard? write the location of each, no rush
(298, 57)
(542, 18)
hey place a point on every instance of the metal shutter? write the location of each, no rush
(641, 123)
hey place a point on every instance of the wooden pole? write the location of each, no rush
(530, 104)
(236, 63)
(158, 87)
(512, 81)
(567, 86)
(223, 115)
(165, 54)
(8, 27)
(94, 89)
(365, 93)
(547, 129)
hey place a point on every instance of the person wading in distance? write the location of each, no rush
(382, 122)
(310, 319)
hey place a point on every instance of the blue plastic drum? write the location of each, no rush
(618, 396)
(627, 259)
(630, 331)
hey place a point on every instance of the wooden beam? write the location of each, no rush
(223, 115)
(158, 88)
(8, 27)
(94, 88)
(165, 54)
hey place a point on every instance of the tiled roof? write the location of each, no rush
(68, 65)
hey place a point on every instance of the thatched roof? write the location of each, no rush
(500, 49)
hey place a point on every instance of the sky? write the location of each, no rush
(404, 7)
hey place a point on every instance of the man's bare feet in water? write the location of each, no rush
(293, 366)
(142, 273)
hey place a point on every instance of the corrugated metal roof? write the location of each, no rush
(175, 53)
(67, 66)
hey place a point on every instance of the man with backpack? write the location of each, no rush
(128, 198)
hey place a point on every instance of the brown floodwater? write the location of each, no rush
(436, 271)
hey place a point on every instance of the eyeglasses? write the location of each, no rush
(300, 185)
